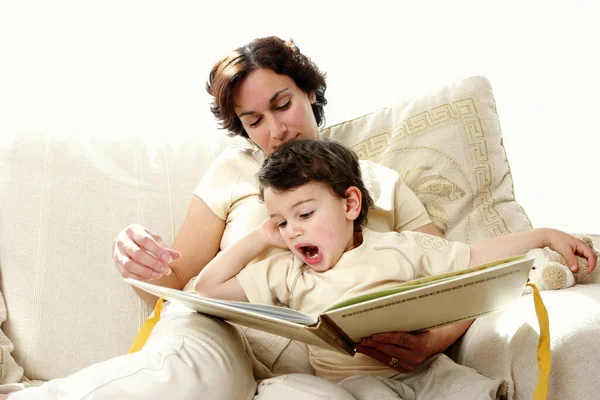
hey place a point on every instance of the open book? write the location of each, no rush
(410, 306)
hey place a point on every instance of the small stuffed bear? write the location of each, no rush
(550, 271)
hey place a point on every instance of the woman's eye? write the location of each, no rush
(306, 215)
(282, 224)
(285, 106)
(255, 123)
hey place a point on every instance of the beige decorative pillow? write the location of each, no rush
(447, 146)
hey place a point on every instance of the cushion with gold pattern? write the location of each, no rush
(447, 146)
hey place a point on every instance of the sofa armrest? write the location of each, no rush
(504, 344)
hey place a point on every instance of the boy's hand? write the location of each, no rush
(569, 246)
(271, 234)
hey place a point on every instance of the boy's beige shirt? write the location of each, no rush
(382, 260)
(230, 189)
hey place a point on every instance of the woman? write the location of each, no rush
(269, 93)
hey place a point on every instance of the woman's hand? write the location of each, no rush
(271, 234)
(141, 254)
(411, 349)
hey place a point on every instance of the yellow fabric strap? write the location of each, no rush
(543, 352)
(146, 329)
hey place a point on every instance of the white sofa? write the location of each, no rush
(65, 198)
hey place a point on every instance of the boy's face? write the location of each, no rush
(315, 224)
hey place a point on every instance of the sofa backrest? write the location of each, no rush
(63, 202)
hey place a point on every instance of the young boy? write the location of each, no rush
(317, 204)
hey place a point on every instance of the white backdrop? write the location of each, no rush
(123, 67)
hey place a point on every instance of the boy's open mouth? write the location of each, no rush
(311, 254)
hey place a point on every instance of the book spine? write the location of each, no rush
(332, 331)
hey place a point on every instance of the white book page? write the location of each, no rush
(245, 314)
(187, 298)
(278, 312)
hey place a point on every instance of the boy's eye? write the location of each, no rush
(285, 106)
(282, 224)
(255, 123)
(306, 215)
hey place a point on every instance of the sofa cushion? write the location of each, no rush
(447, 146)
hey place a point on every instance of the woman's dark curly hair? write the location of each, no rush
(300, 161)
(282, 57)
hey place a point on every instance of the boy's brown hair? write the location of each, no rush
(298, 162)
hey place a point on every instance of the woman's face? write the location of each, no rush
(274, 110)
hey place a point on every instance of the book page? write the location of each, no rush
(438, 303)
(263, 317)
(264, 310)
(286, 314)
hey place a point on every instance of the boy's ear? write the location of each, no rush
(353, 202)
